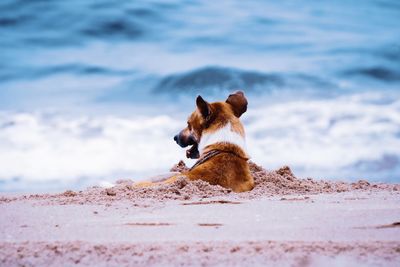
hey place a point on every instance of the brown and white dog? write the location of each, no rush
(217, 138)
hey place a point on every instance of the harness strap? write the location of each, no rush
(210, 154)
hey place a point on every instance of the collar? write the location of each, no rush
(207, 156)
(220, 148)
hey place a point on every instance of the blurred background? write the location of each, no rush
(92, 91)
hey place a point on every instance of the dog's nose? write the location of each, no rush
(176, 138)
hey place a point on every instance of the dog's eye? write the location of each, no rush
(189, 126)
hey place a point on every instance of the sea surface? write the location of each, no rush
(92, 91)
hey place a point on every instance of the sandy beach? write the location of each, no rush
(284, 221)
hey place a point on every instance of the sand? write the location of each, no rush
(284, 221)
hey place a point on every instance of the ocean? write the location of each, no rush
(92, 91)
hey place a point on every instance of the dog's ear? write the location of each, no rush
(238, 103)
(203, 107)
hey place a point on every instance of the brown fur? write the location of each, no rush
(229, 168)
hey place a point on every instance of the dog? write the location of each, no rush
(216, 138)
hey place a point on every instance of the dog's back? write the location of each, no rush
(227, 168)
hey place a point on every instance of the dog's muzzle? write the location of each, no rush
(184, 140)
(187, 140)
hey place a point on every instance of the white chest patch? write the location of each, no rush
(222, 135)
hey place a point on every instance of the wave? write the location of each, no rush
(184, 46)
(378, 73)
(123, 28)
(26, 73)
(214, 79)
(211, 78)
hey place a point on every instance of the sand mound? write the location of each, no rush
(179, 167)
(283, 182)
(267, 183)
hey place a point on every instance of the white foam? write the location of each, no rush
(35, 147)
(323, 138)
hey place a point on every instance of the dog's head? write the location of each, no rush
(209, 117)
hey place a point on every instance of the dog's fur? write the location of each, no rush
(217, 138)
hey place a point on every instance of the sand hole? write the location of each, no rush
(211, 202)
(148, 224)
(392, 225)
(294, 198)
(210, 224)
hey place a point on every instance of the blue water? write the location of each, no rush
(76, 63)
